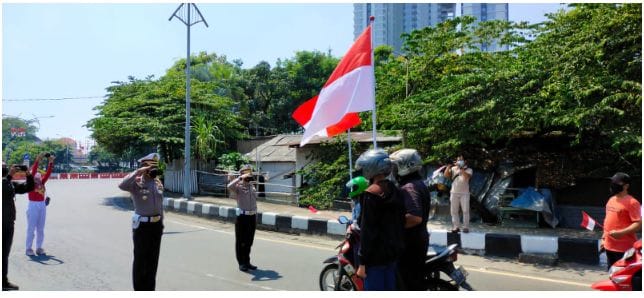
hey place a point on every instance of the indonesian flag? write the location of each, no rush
(349, 90)
(588, 222)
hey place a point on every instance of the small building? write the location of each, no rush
(281, 157)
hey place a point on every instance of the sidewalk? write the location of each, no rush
(536, 245)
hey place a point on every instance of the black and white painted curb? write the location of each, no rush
(585, 251)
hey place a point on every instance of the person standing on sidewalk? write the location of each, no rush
(381, 223)
(147, 221)
(9, 191)
(407, 164)
(623, 219)
(460, 194)
(246, 196)
(37, 209)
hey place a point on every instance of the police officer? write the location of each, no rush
(246, 223)
(407, 164)
(9, 191)
(147, 221)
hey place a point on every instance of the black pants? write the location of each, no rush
(147, 245)
(613, 256)
(245, 226)
(7, 239)
(411, 264)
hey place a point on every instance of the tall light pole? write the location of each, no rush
(189, 18)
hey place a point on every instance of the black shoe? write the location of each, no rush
(251, 266)
(8, 286)
(243, 268)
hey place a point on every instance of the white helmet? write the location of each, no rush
(407, 161)
(373, 163)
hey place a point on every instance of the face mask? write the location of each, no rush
(616, 188)
(461, 163)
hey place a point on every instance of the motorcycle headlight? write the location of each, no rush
(619, 279)
(614, 269)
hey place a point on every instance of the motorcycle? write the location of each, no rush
(339, 273)
(626, 273)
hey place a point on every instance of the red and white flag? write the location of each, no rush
(588, 222)
(349, 90)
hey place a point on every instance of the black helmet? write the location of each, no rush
(374, 162)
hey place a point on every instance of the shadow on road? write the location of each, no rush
(181, 232)
(46, 260)
(264, 275)
(119, 203)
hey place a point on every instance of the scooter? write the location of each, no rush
(626, 273)
(339, 273)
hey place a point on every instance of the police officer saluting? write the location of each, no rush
(147, 221)
(246, 223)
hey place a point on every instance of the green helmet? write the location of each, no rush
(357, 185)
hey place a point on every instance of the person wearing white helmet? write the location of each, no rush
(381, 222)
(246, 223)
(407, 166)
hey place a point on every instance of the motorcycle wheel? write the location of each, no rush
(329, 277)
(331, 280)
(441, 285)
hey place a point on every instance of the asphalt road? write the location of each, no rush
(89, 244)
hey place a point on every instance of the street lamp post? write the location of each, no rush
(191, 19)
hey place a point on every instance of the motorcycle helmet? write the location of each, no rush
(406, 161)
(356, 186)
(374, 162)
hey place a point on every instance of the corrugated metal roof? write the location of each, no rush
(282, 148)
(360, 137)
(275, 150)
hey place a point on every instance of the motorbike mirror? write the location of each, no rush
(343, 219)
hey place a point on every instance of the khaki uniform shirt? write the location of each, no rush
(147, 195)
(245, 194)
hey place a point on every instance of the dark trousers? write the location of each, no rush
(411, 264)
(147, 245)
(613, 256)
(245, 226)
(7, 239)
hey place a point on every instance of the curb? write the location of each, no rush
(525, 248)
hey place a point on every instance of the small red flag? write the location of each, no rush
(588, 222)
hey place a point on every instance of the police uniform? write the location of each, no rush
(147, 223)
(246, 221)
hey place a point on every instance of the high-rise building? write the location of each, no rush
(394, 19)
(487, 12)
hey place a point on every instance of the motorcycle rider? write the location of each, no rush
(381, 223)
(407, 164)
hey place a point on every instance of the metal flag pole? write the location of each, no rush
(188, 22)
(373, 113)
(350, 159)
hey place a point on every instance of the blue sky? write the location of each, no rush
(76, 50)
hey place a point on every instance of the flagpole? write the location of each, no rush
(350, 159)
(373, 63)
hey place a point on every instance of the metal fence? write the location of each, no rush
(215, 183)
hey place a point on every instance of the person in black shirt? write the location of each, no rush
(9, 191)
(381, 222)
(407, 164)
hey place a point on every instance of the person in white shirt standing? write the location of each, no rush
(459, 198)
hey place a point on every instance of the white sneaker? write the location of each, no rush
(30, 252)
(40, 251)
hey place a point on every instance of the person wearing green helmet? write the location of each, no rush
(356, 186)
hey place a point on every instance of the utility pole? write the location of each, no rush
(189, 18)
